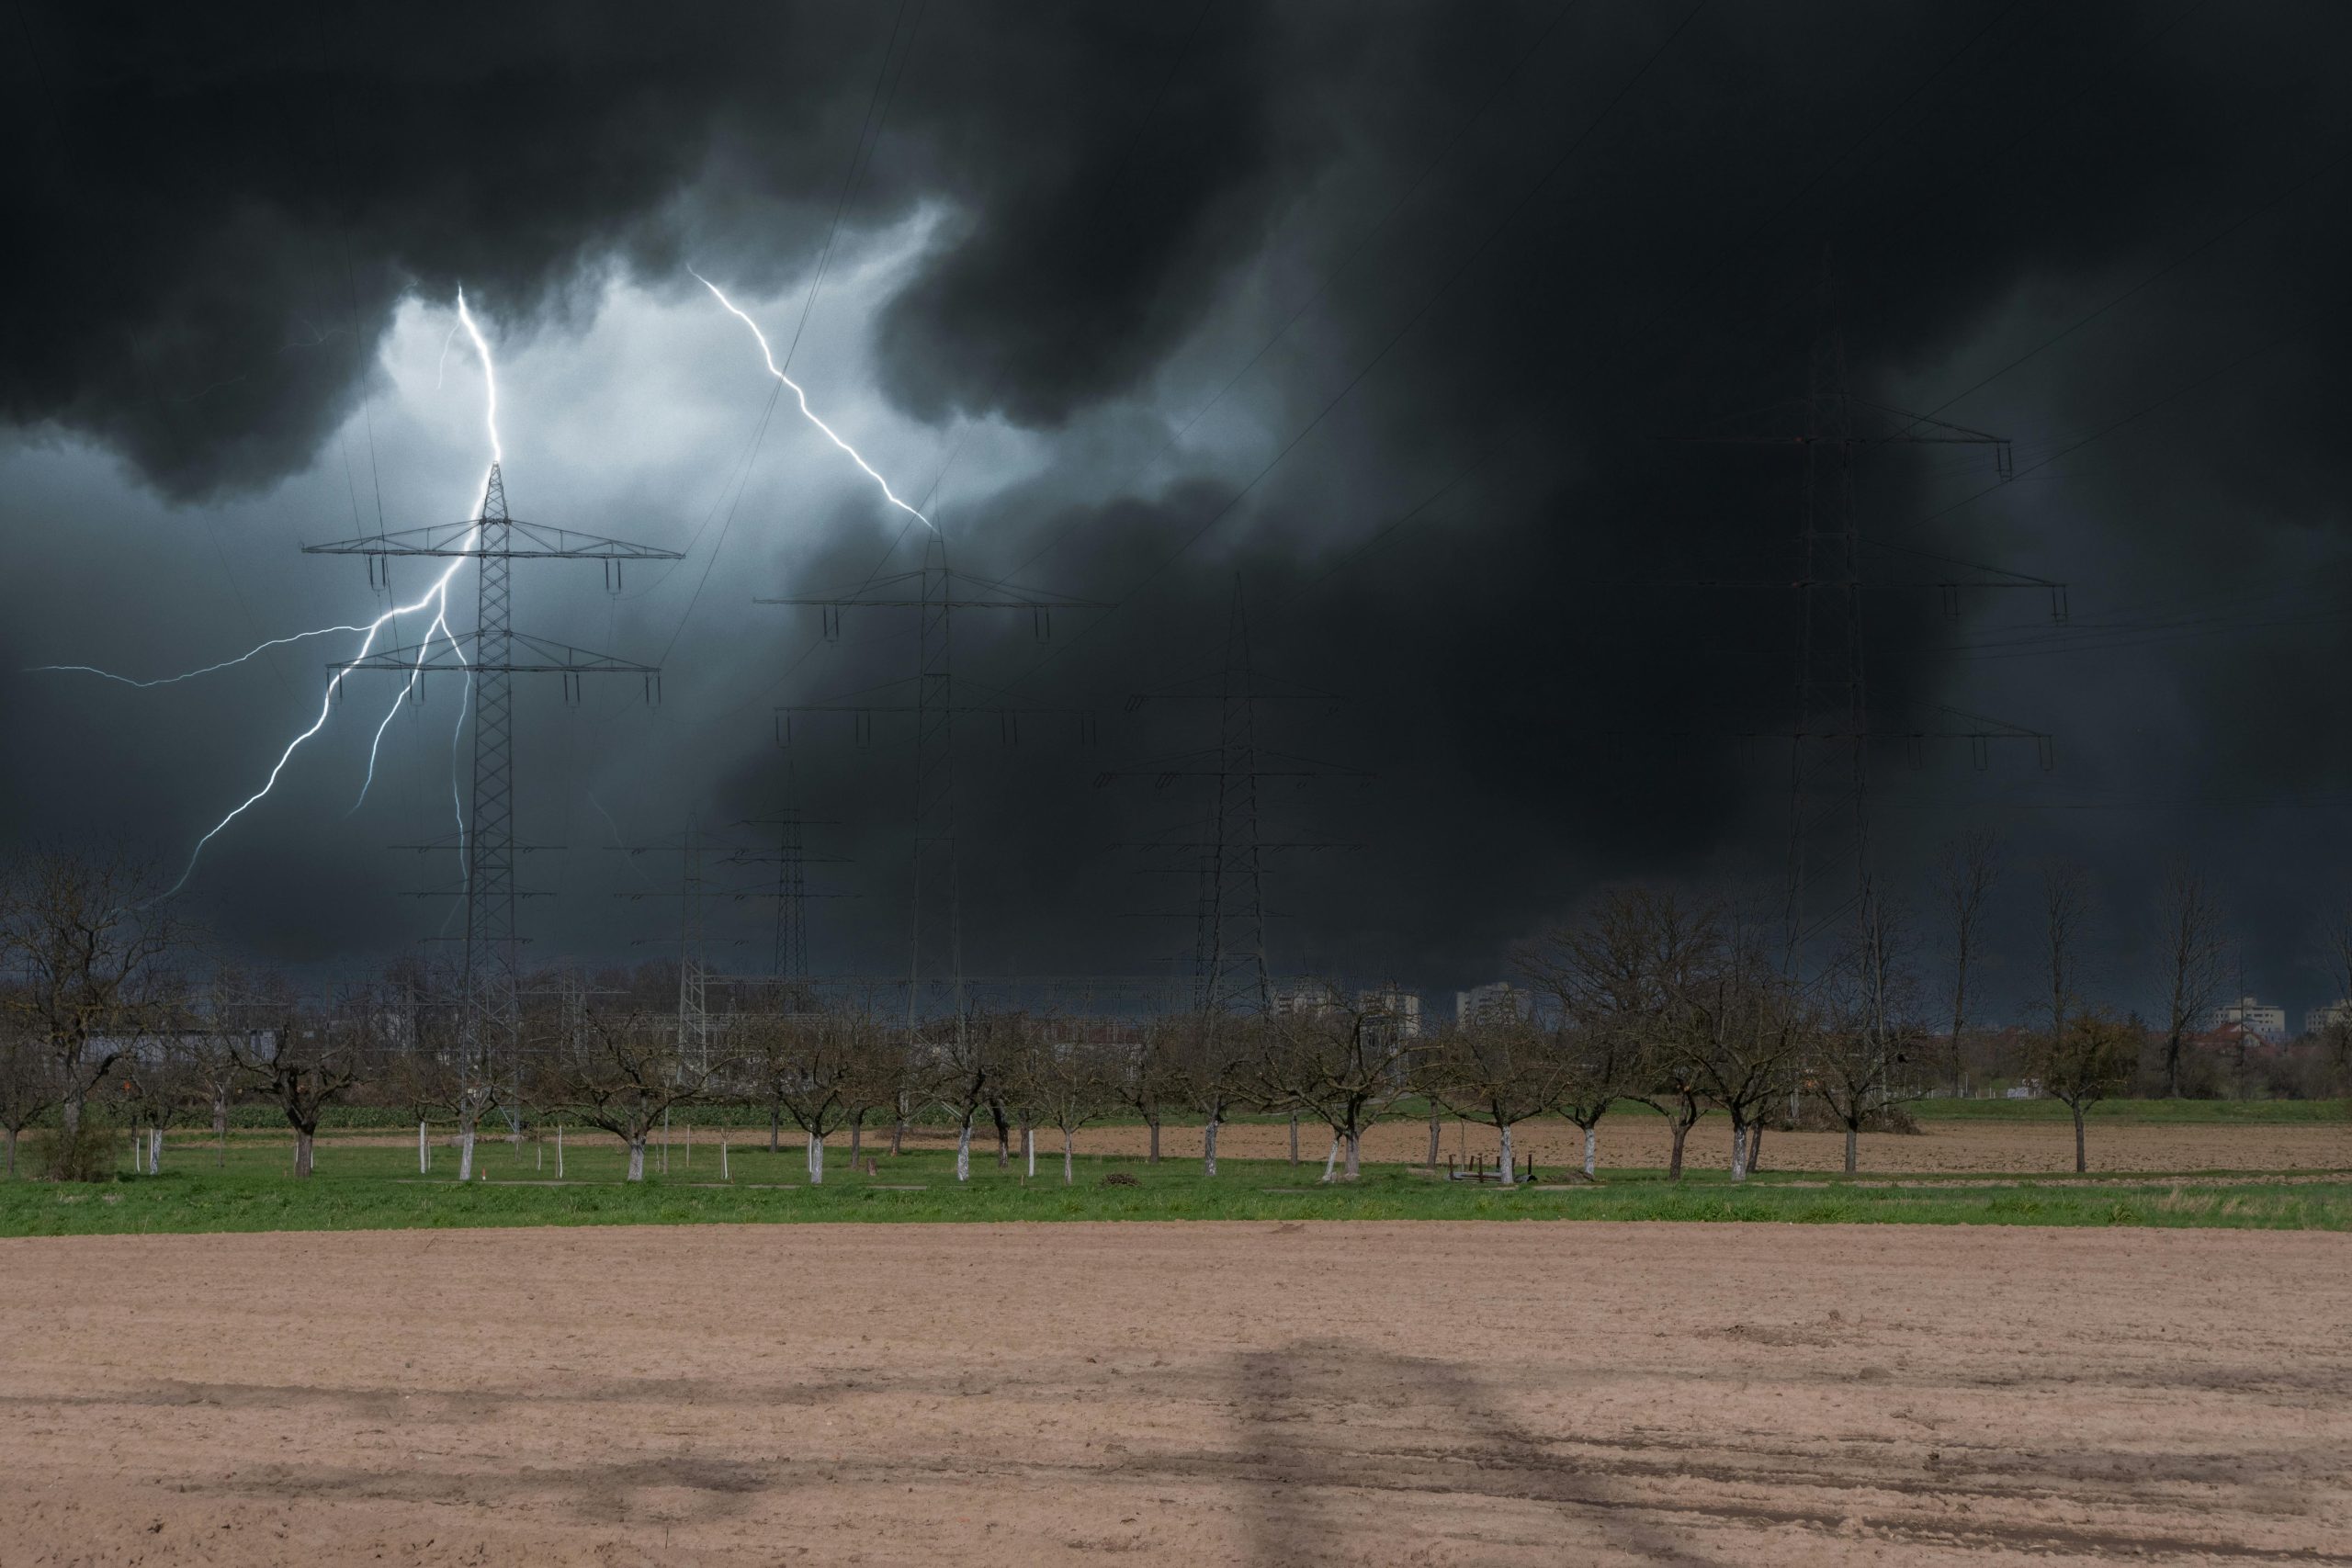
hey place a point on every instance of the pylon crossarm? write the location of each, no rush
(513, 540)
(460, 656)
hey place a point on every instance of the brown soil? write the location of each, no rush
(1187, 1394)
(1640, 1139)
(1637, 1138)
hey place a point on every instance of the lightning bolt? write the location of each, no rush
(436, 597)
(809, 414)
(190, 674)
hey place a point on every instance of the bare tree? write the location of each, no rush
(1070, 1081)
(2196, 961)
(960, 1069)
(1966, 873)
(1341, 1065)
(302, 1062)
(1742, 1025)
(90, 945)
(2065, 908)
(1147, 1084)
(1611, 972)
(811, 1066)
(1859, 1057)
(623, 1071)
(29, 1085)
(1208, 1058)
(1499, 1073)
(2092, 1057)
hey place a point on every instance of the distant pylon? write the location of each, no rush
(935, 962)
(1226, 859)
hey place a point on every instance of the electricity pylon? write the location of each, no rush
(490, 656)
(1832, 726)
(935, 963)
(788, 962)
(1226, 860)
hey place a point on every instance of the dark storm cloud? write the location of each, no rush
(1615, 226)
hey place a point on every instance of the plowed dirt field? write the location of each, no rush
(1184, 1394)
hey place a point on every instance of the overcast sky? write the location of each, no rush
(1380, 311)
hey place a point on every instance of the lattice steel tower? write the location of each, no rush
(490, 656)
(1226, 858)
(935, 964)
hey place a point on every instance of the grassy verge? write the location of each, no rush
(378, 1189)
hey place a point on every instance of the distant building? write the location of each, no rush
(2319, 1021)
(1309, 997)
(2269, 1022)
(1400, 1010)
(1496, 1002)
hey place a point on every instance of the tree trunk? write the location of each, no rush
(2172, 1065)
(1029, 1149)
(1852, 1137)
(1674, 1162)
(423, 1151)
(637, 1158)
(302, 1151)
(897, 1133)
(1069, 1176)
(69, 1111)
(2081, 1163)
(1591, 1139)
(154, 1151)
(1003, 1136)
(1756, 1148)
(816, 1159)
(1208, 1147)
(220, 1127)
(857, 1137)
(724, 1174)
(1331, 1161)
(1739, 1152)
(776, 1122)
(963, 1152)
(1293, 1137)
(1355, 1142)
(559, 1151)
(1435, 1130)
(1508, 1171)
(466, 1147)
(1153, 1157)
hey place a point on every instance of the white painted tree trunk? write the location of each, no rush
(1029, 1149)
(1590, 1152)
(1739, 1154)
(1509, 1171)
(964, 1153)
(423, 1151)
(1208, 1148)
(1355, 1146)
(1069, 1176)
(817, 1161)
(154, 1151)
(637, 1158)
(465, 1152)
(301, 1154)
(724, 1175)
(559, 1152)
(1331, 1161)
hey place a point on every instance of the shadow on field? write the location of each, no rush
(1340, 1440)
